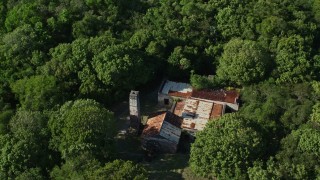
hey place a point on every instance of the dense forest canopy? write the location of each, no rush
(63, 62)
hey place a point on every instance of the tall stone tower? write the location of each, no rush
(134, 107)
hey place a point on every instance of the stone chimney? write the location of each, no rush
(134, 107)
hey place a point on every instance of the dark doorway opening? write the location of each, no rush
(166, 101)
(229, 110)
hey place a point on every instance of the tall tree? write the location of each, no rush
(21, 51)
(243, 62)
(26, 146)
(226, 148)
(37, 92)
(82, 126)
(21, 14)
(292, 59)
(120, 169)
(120, 67)
(5, 116)
(278, 109)
(78, 167)
(300, 151)
(85, 166)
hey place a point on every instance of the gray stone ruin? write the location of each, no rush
(134, 107)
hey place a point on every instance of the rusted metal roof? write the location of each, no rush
(201, 123)
(198, 106)
(190, 107)
(179, 108)
(204, 109)
(216, 111)
(217, 95)
(232, 96)
(188, 123)
(184, 90)
(196, 113)
(165, 124)
(179, 94)
(153, 124)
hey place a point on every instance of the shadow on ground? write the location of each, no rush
(167, 166)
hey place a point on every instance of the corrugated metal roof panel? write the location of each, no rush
(180, 88)
(170, 132)
(196, 113)
(179, 108)
(165, 124)
(190, 107)
(217, 95)
(188, 123)
(153, 124)
(201, 123)
(216, 110)
(204, 109)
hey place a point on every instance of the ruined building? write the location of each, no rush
(162, 132)
(197, 107)
(191, 110)
(134, 107)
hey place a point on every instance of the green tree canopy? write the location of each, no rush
(316, 10)
(18, 156)
(272, 26)
(37, 92)
(29, 124)
(292, 59)
(79, 167)
(278, 108)
(120, 67)
(81, 126)
(71, 65)
(226, 148)
(31, 174)
(259, 171)
(299, 155)
(22, 13)
(85, 166)
(315, 116)
(120, 169)
(20, 50)
(53, 51)
(5, 116)
(243, 62)
(26, 146)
